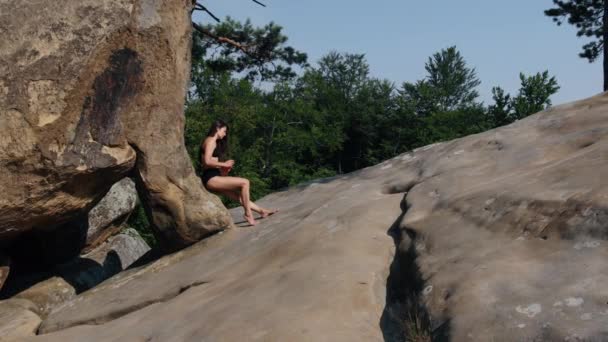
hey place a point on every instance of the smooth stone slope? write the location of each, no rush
(501, 236)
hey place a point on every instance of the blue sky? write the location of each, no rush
(498, 38)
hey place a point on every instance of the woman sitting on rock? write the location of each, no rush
(215, 172)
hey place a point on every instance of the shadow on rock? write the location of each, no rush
(36, 254)
(83, 273)
(405, 317)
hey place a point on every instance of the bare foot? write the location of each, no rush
(250, 219)
(266, 212)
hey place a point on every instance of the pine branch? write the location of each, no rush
(225, 40)
(199, 7)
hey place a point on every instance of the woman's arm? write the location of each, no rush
(208, 160)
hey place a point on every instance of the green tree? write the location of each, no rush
(444, 103)
(232, 46)
(334, 87)
(452, 80)
(421, 97)
(367, 133)
(288, 152)
(499, 114)
(590, 17)
(449, 84)
(255, 53)
(449, 125)
(534, 95)
(344, 73)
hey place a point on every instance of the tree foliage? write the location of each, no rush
(590, 17)
(587, 16)
(453, 82)
(534, 96)
(449, 85)
(267, 57)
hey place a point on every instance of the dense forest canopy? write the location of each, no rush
(291, 121)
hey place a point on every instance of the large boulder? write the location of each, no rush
(42, 249)
(497, 236)
(91, 91)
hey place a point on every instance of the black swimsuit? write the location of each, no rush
(212, 172)
(208, 174)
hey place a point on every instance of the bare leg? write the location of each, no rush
(262, 211)
(237, 197)
(222, 184)
(247, 202)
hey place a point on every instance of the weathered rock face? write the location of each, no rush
(90, 91)
(40, 250)
(106, 218)
(84, 272)
(500, 236)
(510, 228)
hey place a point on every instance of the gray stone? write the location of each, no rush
(106, 218)
(116, 255)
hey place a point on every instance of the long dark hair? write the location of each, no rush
(222, 144)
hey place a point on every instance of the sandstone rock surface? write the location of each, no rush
(48, 294)
(17, 319)
(499, 236)
(91, 91)
(106, 218)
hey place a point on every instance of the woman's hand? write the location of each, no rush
(226, 167)
(224, 171)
